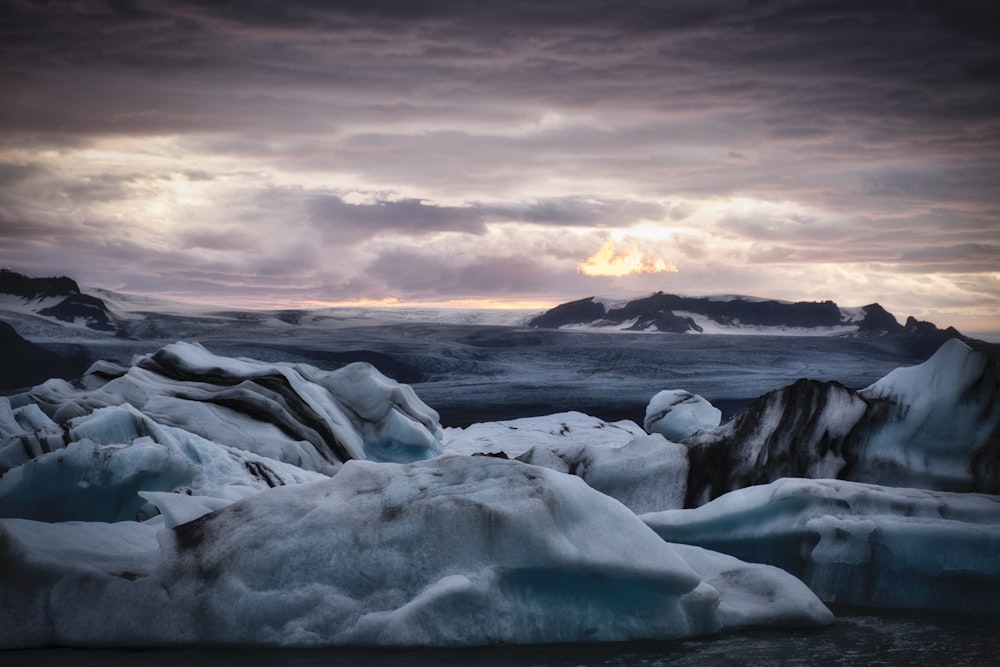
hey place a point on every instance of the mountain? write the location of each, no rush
(670, 313)
(58, 298)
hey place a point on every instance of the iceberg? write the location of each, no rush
(856, 543)
(933, 426)
(644, 472)
(514, 437)
(676, 414)
(115, 454)
(454, 551)
(294, 413)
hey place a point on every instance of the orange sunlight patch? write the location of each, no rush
(608, 262)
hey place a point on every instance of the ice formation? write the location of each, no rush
(676, 414)
(645, 472)
(116, 454)
(454, 551)
(187, 498)
(514, 437)
(856, 543)
(935, 426)
(294, 413)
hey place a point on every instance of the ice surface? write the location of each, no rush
(454, 551)
(117, 452)
(294, 412)
(941, 423)
(676, 414)
(646, 474)
(935, 425)
(516, 436)
(856, 543)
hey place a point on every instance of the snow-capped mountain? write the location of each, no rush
(670, 313)
(57, 298)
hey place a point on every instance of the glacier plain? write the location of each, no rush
(191, 454)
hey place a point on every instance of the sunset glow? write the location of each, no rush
(290, 153)
(610, 261)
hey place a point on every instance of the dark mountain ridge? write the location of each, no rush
(70, 304)
(670, 313)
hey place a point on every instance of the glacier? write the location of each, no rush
(856, 543)
(454, 551)
(192, 498)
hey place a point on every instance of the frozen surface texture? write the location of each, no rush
(454, 551)
(116, 453)
(645, 472)
(514, 437)
(295, 413)
(676, 414)
(935, 426)
(856, 543)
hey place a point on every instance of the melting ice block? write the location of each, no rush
(856, 543)
(645, 472)
(933, 426)
(112, 455)
(295, 413)
(675, 414)
(454, 551)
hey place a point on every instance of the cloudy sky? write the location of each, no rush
(517, 152)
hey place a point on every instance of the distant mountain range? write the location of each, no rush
(58, 298)
(669, 313)
(61, 299)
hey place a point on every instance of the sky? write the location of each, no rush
(517, 153)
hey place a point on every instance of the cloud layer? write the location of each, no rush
(334, 151)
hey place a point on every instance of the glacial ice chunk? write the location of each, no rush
(115, 453)
(676, 414)
(454, 551)
(856, 543)
(514, 437)
(296, 413)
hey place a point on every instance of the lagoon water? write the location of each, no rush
(858, 637)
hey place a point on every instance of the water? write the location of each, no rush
(856, 638)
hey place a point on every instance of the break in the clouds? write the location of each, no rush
(307, 152)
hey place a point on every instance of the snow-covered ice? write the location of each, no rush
(645, 472)
(295, 413)
(193, 498)
(514, 437)
(109, 457)
(676, 414)
(939, 425)
(934, 425)
(856, 543)
(454, 551)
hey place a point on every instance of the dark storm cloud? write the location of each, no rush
(878, 120)
(573, 211)
(405, 215)
(838, 59)
(426, 276)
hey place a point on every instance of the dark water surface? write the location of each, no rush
(856, 638)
